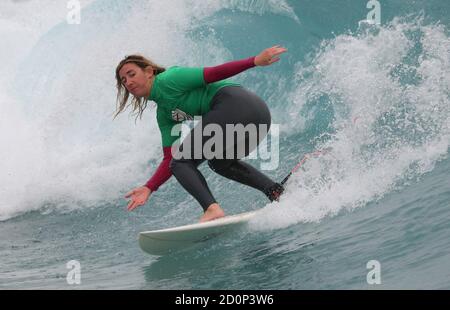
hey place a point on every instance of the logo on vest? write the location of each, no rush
(179, 116)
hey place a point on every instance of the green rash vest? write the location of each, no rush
(180, 94)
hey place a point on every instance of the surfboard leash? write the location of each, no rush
(304, 159)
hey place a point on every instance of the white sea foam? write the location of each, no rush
(389, 89)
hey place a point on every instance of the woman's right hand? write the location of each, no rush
(139, 197)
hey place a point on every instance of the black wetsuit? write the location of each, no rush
(230, 105)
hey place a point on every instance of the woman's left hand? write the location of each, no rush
(267, 56)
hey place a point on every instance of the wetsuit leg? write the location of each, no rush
(244, 173)
(241, 172)
(252, 109)
(231, 105)
(187, 173)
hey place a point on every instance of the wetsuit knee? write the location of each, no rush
(219, 165)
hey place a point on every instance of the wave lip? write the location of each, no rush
(389, 91)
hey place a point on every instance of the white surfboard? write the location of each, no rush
(165, 241)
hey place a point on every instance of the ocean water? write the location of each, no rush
(370, 212)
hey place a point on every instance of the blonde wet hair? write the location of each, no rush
(139, 104)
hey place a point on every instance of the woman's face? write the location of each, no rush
(136, 80)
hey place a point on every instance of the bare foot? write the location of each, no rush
(213, 212)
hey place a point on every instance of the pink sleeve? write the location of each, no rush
(226, 70)
(163, 173)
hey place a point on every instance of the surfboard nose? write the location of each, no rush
(166, 241)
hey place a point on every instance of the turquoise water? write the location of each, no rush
(376, 97)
